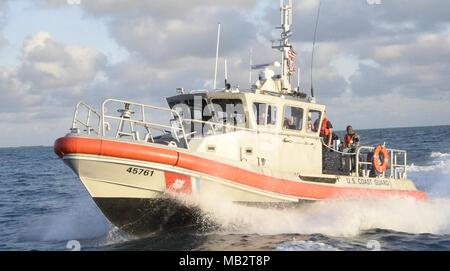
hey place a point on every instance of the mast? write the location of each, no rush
(251, 65)
(285, 47)
(217, 57)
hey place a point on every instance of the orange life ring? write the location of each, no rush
(380, 165)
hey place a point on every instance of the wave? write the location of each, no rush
(439, 155)
(339, 218)
(81, 221)
(305, 246)
(115, 236)
(348, 218)
(434, 178)
(440, 162)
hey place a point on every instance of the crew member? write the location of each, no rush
(326, 131)
(351, 143)
(351, 139)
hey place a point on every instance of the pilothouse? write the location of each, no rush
(261, 147)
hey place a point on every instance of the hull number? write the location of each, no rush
(140, 171)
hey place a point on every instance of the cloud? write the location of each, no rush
(388, 110)
(424, 49)
(48, 73)
(424, 15)
(3, 15)
(3, 42)
(395, 53)
(156, 9)
(194, 36)
(414, 68)
(36, 92)
(172, 44)
(47, 64)
(15, 92)
(172, 41)
(343, 20)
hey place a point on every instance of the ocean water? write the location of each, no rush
(43, 206)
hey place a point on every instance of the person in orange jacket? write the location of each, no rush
(326, 131)
(350, 145)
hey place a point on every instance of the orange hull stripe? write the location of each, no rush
(280, 186)
(73, 145)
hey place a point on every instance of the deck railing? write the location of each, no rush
(127, 117)
(133, 117)
(396, 168)
(177, 127)
(359, 162)
(85, 122)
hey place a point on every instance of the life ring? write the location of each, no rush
(380, 165)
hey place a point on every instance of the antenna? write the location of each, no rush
(298, 79)
(217, 57)
(313, 49)
(226, 73)
(251, 64)
(285, 47)
(227, 85)
(291, 13)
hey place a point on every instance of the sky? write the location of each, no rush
(378, 63)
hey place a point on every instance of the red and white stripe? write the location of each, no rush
(292, 68)
(184, 184)
(292, 54)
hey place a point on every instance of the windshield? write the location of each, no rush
(265, 114)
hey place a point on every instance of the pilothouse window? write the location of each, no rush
(293, 118)
(314, 118)
(229, 111)
(266, 114)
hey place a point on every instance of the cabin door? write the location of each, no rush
(299, 152)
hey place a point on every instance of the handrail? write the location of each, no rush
(176, 117)
(87, 123)
(179, 131)
(336, 151)
(393, 165)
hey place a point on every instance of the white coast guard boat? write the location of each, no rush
(259, 146)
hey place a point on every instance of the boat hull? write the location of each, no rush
(140, 217)
(139, 187)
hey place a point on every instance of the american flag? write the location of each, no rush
(292, 68)
(292, 54)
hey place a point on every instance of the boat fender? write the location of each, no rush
(380, 165)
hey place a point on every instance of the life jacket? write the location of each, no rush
(324, 130)
(348, 139)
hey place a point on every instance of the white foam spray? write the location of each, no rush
(347, 218)
(81, 221)
(339, 218)
(305, 246)
(434, 178)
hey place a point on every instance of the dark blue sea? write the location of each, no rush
(43, 206)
